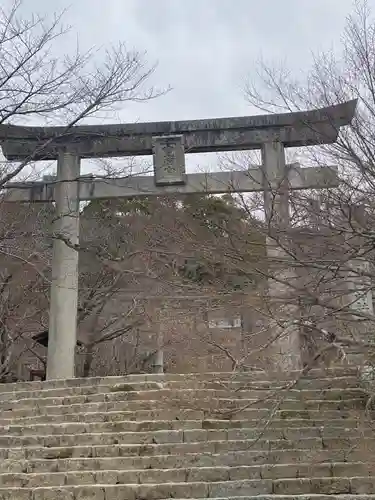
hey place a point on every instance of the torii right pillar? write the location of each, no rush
(283, 307)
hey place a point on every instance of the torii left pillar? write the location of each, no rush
(64, 287)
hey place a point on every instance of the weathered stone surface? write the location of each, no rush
(343, 377)
(323, 485)
(11, 495)
(223, 134)
(362, 485)
(214, 183)
(52, 494)
(89, 493)
(240, 488)
(292, 399)
(169, 160)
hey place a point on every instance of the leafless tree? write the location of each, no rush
(102, 323)
(24, 281)
(330, 238)
(42, 85)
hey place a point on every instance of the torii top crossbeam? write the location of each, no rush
(320, 126)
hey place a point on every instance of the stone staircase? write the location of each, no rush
(187, 436)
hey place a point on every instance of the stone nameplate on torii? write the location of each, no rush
(169, 160)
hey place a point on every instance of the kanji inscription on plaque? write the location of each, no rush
(169, 160)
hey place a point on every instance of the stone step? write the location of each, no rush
(187, 436)
(183, 475)
(349, 383)
(127, 391)
(251, 390)
(27, 417)
(299, 486)
(179, 436)
(215, 446)
(97, 427)
(257, 459)
(226, 409)
(145, 426)
(52, 427)
(315, 496)
(188, 399)
(47, 414)
(328, 374)
(113, 416)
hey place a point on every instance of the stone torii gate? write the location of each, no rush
(167, 142)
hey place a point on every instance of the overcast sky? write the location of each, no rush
(205, 49)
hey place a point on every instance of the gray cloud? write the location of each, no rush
(205, 48)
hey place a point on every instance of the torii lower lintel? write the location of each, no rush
(245, 181)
